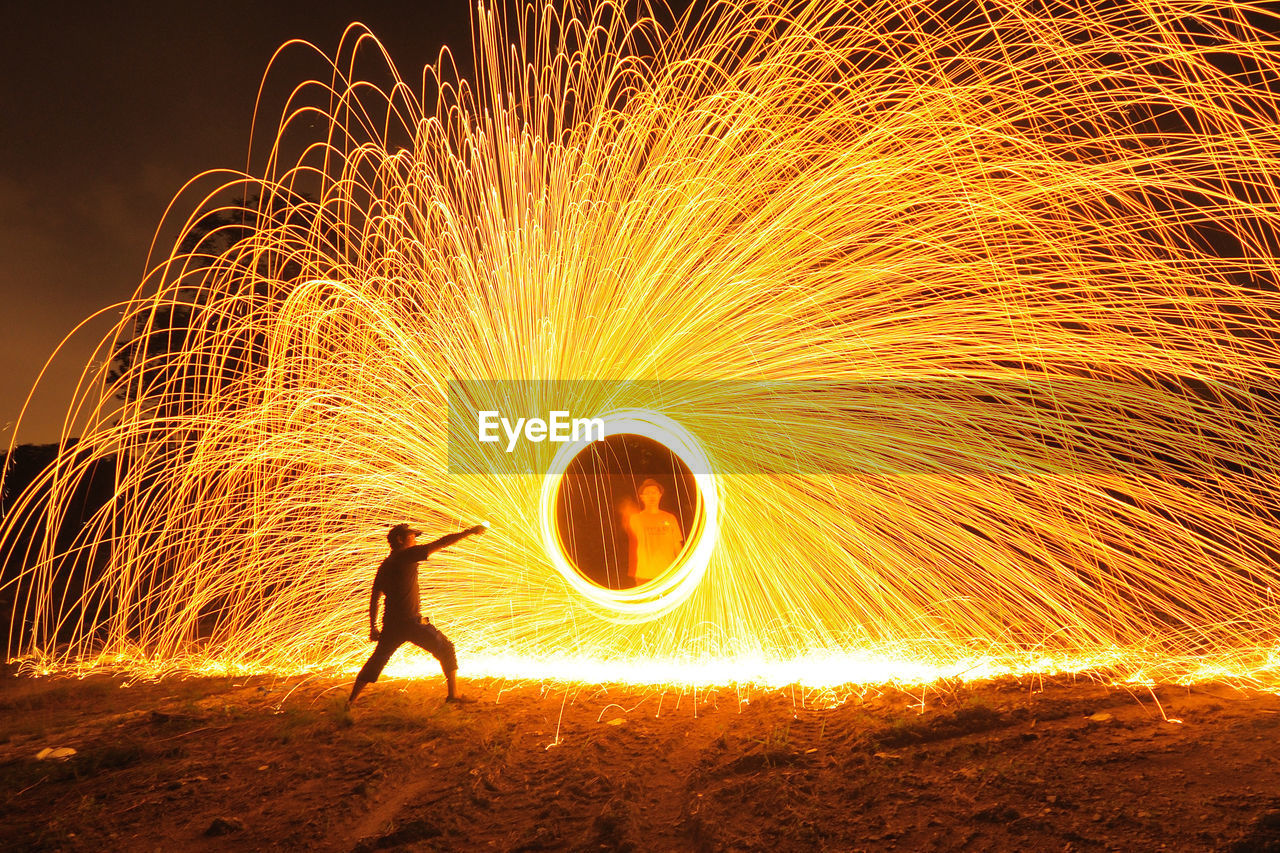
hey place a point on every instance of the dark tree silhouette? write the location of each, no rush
(219, 247)
(25, 479)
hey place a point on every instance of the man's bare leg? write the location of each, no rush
(450, 679)
(355, 691)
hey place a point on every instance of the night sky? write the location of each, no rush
(107, 110)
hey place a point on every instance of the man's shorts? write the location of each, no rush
(424, 635)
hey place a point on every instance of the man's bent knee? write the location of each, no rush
(447, 656)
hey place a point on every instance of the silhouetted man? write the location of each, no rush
(397, 580)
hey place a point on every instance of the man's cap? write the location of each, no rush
(400, 531)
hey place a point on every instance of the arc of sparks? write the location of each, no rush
(1032, 247)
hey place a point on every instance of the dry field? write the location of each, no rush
(279, 764)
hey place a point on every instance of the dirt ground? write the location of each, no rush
(278, 764)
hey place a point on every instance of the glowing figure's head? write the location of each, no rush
(651, 494)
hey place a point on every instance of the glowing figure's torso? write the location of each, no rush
(658, 541)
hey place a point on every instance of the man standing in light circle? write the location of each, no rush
(655, 533)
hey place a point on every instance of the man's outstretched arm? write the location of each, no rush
(446, 541)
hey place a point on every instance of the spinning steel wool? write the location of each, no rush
(1012, 269)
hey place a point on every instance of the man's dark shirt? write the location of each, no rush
(397, 579)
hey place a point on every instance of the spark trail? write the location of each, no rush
(1025, 254)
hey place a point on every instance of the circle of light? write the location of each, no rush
(659, 596)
